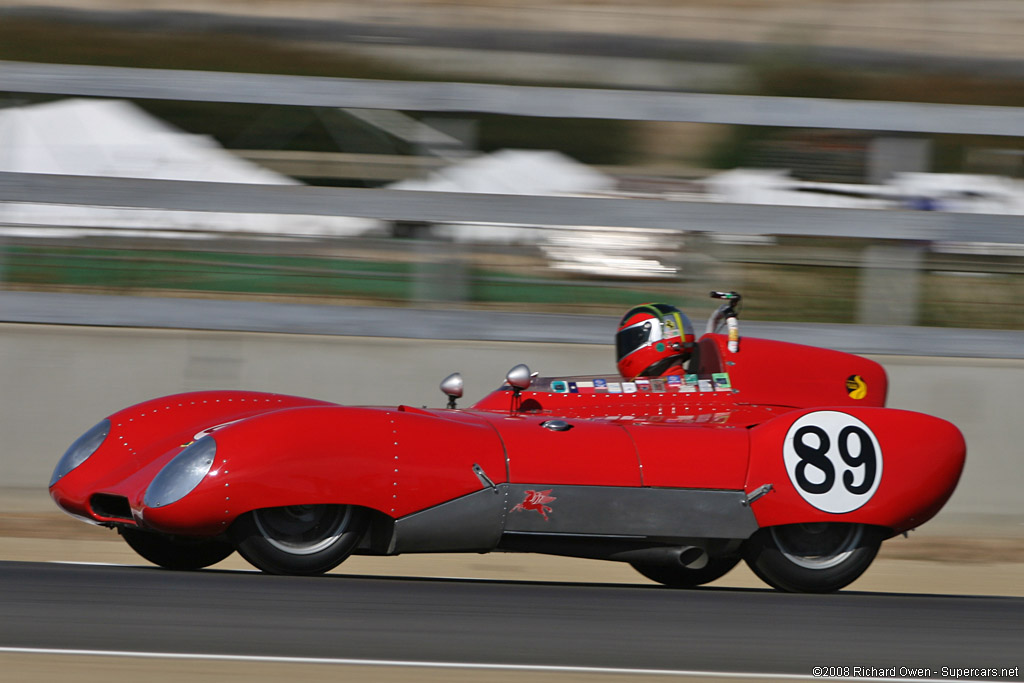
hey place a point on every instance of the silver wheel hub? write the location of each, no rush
(817, 546)
(303, 529)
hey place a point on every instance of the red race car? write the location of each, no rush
(720, 449)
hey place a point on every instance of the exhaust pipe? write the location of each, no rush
(688, 556)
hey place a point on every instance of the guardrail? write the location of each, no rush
(453, 207)
(887, 273)
(634, 105)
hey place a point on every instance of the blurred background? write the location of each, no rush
(959, 264)
(416, 187)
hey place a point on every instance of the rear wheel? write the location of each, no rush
(299, 539)
(812, 558)
(680, 576)
(175, 552)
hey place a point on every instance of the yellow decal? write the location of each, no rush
(856, 387)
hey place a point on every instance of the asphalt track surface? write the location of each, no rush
(734, 631)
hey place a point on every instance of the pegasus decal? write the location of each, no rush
(536, 501)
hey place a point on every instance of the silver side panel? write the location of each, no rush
(628, 511)
(471, 523)
(475, 523)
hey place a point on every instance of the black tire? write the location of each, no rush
(812, 558)
(679, 576)
(299, 539)
(173, 552)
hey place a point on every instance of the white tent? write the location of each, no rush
(962, 193)
(608, 252)
(514, 171)
(509, 171)
(118, 139)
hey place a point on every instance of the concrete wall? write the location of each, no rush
(56, 381)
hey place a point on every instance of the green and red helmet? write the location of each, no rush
(651, 339)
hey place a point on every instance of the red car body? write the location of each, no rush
(779, 453)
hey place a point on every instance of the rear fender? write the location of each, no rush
(880, 466)
(769, 372)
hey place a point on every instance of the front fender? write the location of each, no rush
(393, 460)
(145, 436)
(880, 466)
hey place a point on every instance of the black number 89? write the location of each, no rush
(816, 455)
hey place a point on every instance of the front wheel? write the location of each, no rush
(680, 576)
(299, 539)
(812, 558)
(173, 552)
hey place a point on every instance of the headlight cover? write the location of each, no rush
(80, 450)
(182, 474)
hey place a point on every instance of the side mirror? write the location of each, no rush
(520, 377)
(452, 386)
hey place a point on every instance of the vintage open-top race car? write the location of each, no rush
(780, 454)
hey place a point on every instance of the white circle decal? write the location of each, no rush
(833, 460)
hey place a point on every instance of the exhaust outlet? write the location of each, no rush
(687, 556)
(693, 557)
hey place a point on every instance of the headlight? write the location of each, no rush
(178, 477)
(80, 450)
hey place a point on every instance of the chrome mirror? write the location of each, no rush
(452, 386)
(520, 377)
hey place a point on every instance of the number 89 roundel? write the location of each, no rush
(833, 460)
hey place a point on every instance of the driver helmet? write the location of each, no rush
(651, 339)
